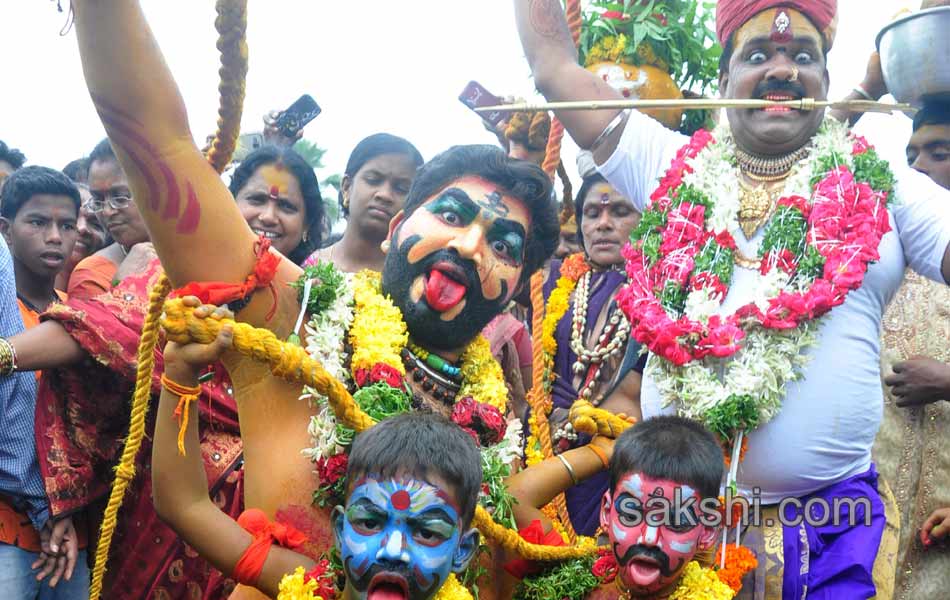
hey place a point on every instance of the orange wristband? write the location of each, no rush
(600, 454)
(186, 395)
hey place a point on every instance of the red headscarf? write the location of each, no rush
(732, 14)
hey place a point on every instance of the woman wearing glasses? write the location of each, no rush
(112, 203)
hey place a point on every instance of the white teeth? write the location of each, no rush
(268, 234)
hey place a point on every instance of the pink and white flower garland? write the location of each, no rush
(816, 248)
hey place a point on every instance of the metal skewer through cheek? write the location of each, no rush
(702, 104)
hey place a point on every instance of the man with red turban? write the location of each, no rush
(817, 402)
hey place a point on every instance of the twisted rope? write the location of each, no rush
(586, 418)
(538, 397)
(231, 24)
(125, 471)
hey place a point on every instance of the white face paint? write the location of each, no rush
(683, 547)
(634, 485)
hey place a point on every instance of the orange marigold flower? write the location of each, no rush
(739, 561)
(574, 266)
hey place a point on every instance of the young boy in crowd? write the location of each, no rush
(39, 213)
(654, 465)
(38, 222)
(412, 483)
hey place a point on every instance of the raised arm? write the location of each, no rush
(552, 57)
(536, 486)
(196, 227)
(180, 486)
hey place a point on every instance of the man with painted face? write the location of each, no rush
(461, 248)
(818, 444)
(650, 466)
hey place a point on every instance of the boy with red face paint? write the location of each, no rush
(654, 467)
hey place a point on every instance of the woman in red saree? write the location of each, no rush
(87, 349)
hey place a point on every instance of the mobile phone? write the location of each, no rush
(475, 95)
(297, 115)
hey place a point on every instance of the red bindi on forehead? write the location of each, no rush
(400, 500)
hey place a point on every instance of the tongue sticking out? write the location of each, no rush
(643, 573)
(443, 292)
(386, 591)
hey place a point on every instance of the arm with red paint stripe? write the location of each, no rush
(196, 228)
(180, 485)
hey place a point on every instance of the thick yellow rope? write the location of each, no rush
(586, 418)
(292, 363)
(231, 24)
(126, 469)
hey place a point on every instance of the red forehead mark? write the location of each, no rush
(781, 27)
(400, 500)
(274, 192)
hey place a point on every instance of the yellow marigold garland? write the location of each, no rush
(698, 583)
(378, 333)
(482, 377)
(296, 586)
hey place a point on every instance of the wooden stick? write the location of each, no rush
(700, 104)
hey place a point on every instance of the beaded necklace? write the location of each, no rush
(610, 343)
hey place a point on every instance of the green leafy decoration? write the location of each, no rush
(328, 281)
(673, 297)
(570, 580)
(690, 194)
(827, 164)
(715, 259)
(651, 221)
(811, 266)
(877, 173)
(786, 231)
(737, 413)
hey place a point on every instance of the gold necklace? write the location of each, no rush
(756, 205)
(767, 166)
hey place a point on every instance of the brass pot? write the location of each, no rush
(643, 83)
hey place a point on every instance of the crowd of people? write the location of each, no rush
(757, 312)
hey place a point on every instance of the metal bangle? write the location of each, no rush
(608, 130)
(7, 357)
(863, 92)
(570, 469)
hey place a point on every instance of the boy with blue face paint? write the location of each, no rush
(405, 527)
(406, 524)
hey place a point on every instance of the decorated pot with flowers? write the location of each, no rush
(652, 50)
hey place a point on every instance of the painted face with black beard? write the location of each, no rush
(456, 261)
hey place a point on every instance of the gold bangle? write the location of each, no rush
(570, 469)
(7, 357)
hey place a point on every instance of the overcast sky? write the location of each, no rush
(374, 65)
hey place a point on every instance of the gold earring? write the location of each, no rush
(384, 246)
(346, 201)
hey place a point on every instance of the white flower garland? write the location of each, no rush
(326, 343)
